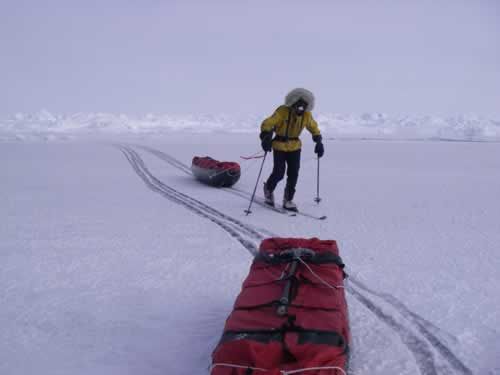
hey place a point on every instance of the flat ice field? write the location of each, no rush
(114, 260)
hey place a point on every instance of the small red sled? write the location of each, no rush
(291, 315)
(214, 172)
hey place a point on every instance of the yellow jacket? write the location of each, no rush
(286, 124)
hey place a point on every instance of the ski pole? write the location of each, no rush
(257, 183)
(317, 199)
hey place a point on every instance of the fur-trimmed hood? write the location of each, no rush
(300, 93)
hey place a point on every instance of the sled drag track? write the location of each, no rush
(243, 233)
(431, 355)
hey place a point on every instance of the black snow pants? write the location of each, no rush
(289, 161)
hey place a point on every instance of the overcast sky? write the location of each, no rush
(201, 56)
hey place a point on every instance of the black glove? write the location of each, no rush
(319, 148)
(266, 141)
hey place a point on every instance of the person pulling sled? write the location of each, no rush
(287, 122)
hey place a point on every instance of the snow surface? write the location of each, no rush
(105, 268)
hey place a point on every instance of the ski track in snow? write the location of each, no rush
(169, 159)
(421, 325)
(235, 228)
(432, 356)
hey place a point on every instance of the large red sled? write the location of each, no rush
(291, 314)
(214, 172)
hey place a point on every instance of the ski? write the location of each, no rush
(260, 201)
(283, 211)
(312, 216)
(292, 213)
(279, 210)
(275, 209)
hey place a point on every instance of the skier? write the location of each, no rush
(287, 122)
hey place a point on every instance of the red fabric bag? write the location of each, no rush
(291, 313)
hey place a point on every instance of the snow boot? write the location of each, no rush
(268, 196)
(290, 206)
(288, 203)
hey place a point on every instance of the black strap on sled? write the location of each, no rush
(305, 336)
(264, 336)
(307, 255)
(321, 338)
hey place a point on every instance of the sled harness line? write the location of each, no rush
(335, 368)
(282, 372)
(318, 277)
(257, 155)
